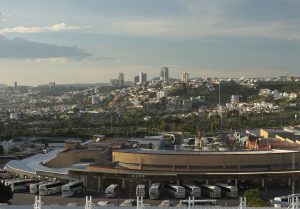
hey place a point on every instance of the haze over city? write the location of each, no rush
(85, 42)
(146, 104)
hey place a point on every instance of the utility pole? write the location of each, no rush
(220, 110)
(111, 125)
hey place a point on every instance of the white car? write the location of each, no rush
(128, 202)
(104, 204)
(166, 203)
(72, 204)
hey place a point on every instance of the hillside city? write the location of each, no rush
(91, 126)
(191, 106)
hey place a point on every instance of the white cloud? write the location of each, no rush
(3, 17)
(206, 18)
(195, 27)
(53, 28)
(58, 60)
(23, 49)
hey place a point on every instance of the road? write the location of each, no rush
(28, 199)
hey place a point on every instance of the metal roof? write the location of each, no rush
(35, 163)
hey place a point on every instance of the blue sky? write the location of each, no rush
(86, 41)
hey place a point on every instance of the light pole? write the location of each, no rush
(117, 163)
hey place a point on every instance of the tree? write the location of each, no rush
(253, 198)
(5, 193)
(1, 150)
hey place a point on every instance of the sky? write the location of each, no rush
(91, 41)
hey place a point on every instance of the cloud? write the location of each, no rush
(193, 27)
(3, 17)
(106, 59)
(53, 28)
(59, 60)
(206, 18)
(23, 49)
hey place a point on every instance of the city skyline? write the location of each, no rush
(91, 42)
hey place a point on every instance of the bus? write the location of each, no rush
(72, 189)
(193, 191)
(154, 191)
(141, 190)
(282, 201)
(51, 188)
(176, 191)
(112, 190)
(210, 191)
(7, 181)
(34, 188)
(228, 190)
(20, 185)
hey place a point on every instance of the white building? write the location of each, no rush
(95, 99)
(235, 99)
(185, 77)
(164, 74)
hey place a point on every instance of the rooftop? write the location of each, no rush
(172, 152)
(35, 163)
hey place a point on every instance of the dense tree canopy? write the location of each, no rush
(253, 198)
(5, 193)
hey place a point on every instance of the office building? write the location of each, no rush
(15, 86)
(185, 77)
(164, 74)
(142, 77)
(121, 79)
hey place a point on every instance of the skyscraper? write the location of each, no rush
(164, 74)
(15, 86)
(121, 79)
(136, 79)
(142, 77)
(185, 77)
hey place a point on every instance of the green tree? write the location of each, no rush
(5, 193)
(1, 150)
(253, 198)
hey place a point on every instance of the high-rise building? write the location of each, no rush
(136, 79)
(185, 77)
(15, 86)
(164, 74)
(121, 79)
(51, 84)
(114, 82)
(142, 77)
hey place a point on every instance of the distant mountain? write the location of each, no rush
(197, 78)
(79, 85)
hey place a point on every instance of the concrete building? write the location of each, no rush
(263, 168)
(51, 85)
(119, 82)
(121, 79)
(185, 77)
(15, 86)
(235, 99)
(142, 77)
(114, 82)
(95, 99)
(136, 79)
(161, 93)
(271, 133)
(164, 74)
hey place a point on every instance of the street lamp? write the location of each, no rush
(117, 163)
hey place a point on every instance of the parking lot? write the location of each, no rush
(27, 199)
